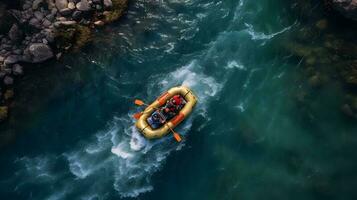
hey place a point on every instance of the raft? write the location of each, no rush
(151, 133)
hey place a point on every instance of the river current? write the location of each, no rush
(72, 135)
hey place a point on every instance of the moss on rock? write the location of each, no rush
(3, 113)
(116, 12)
(75, 36)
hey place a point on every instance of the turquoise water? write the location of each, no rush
(71, 135)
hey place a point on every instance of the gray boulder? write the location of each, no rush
(77, 15)
(66, 12)
(348, 8)
(107, 3)
(8, 80)
(39, 15)
(61, 4)
(11, 59)
(36, 4)
(34, 22)
(83, 5)
(38, 52)
(65, 23)
(17, 70)
(15, 34)
(71, 5)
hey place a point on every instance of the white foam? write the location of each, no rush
(263, 36)
(137, 142)
(233, 64)
(119, 151)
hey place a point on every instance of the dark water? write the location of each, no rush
(71, 135)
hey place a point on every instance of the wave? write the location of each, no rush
(118, 156)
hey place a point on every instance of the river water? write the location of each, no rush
(71, 135)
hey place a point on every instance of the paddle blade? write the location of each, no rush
(137, 115)
(139, 102)
(177, 137)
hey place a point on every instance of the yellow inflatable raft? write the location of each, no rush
(151, 133)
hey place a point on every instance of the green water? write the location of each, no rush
(71, 135)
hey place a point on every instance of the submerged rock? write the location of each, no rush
(9, 94)
(322, 24)
(17, 70)
(8, 80)
(348, 8)
(3, 113)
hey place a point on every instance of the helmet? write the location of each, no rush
(155, 116)
(176, 100)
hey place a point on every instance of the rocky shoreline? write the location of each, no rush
(38, 30)
(331, 59)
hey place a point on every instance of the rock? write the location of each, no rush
(58, 56)
(61, 4)
(46, 23)
(71, 6)
(349, 73)
(36, 4)
(107, 3)
(7, 70)
(39, 15)
(315, 80)
(44, 41)
(65, 23)
(26, 6)
(17, 70)
(97, 1)
(322, 24)
(2, 59)
(15, 34)
(9, 94)
(12, 59)
(83, 5)
(66, 11)
(50, 17)
(98, 7)
(348, 8)
(39, 52)
(347, 110)
(50, 4)
(61, 19)
(77, 15)
(49, 36)
(3, 113)
(99, 23)
(17, 51)
(6, 20)
(54, 11)
(2, 75)
(8, 80)
(34, 22)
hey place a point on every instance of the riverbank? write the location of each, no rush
(34, 31)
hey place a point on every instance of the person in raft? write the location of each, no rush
(173, 106)
(156, 120)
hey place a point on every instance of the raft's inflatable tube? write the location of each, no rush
(147, 130)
